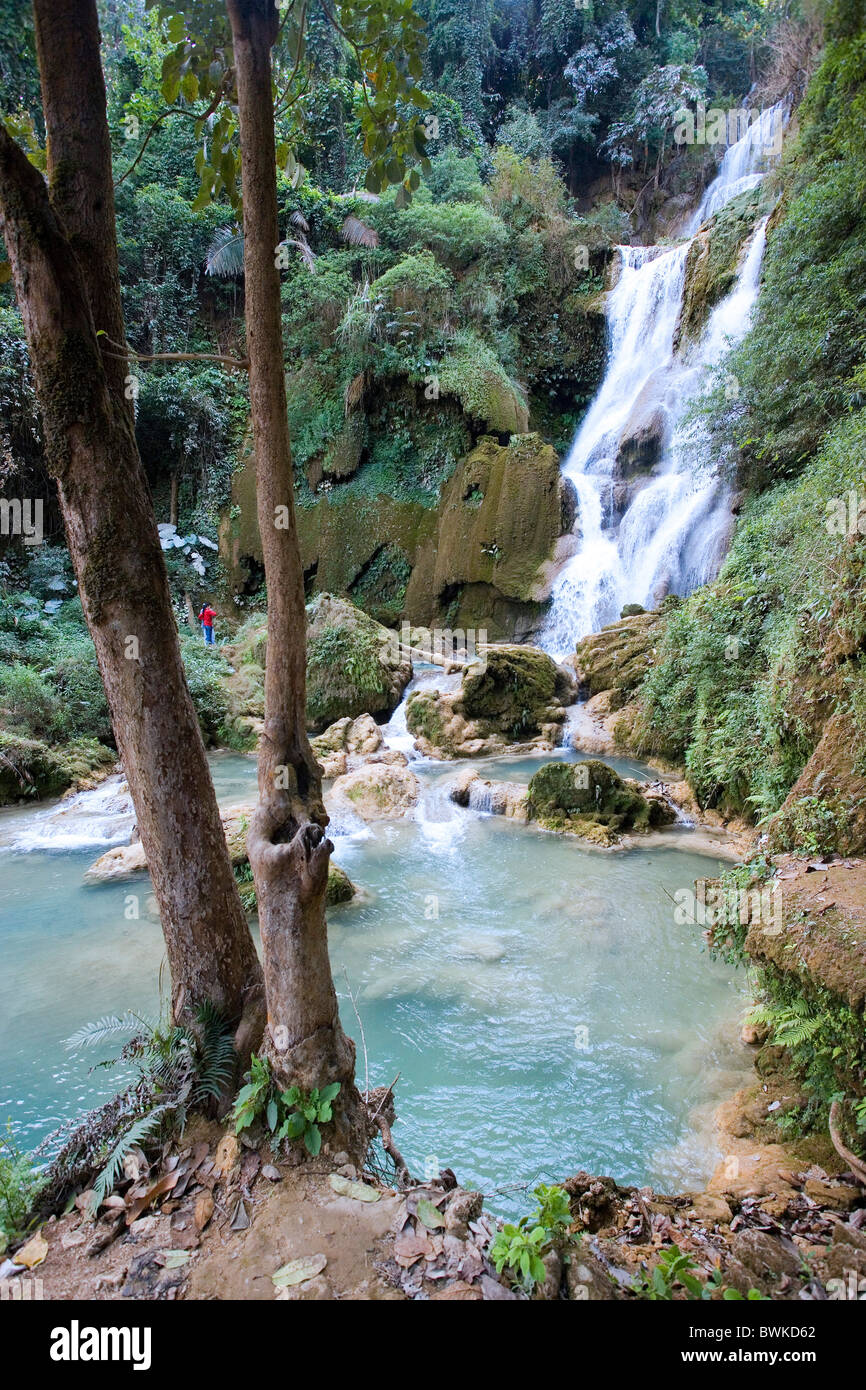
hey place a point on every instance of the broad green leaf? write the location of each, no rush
(431, 1217)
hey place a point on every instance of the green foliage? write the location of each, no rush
(206, 672)
(674, 1270)
(520, 1249)
(19, 1186)
(823, 1035)
(287, 1115)
(795, 369)
(180, 1068)
(742, 685)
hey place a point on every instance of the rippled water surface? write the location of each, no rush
(541, 1004)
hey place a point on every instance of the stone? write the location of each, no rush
(462, 1208)
(590, 799)
(377, 791)
(587, 1280)
(830, 1194)
(712, 1210)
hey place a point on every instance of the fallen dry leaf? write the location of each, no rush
(33, 1253)
(158, 1190)
(298, 1271)
(203, 1210)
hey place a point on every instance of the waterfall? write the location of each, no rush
(745, 162)
(653, 511)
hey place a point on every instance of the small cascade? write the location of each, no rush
(396, 733)
(102, 816)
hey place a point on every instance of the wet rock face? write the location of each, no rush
(482, 556)
(618, 657)
(517, 696)
(591, 800)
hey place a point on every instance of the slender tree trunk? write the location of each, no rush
(173, 499)
(288, 849)
(110, 527)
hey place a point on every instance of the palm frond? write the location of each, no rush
(225, 255)
(357, 233)
(299, 220)
(308, 256)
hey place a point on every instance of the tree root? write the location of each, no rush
(404, 1177)
(857, 1165)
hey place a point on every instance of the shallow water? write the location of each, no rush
(542, 1006)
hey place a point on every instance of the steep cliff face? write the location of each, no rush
(483, 557)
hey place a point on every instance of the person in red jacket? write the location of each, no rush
(206, 617)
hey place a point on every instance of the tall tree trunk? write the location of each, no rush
(288, 849)
(111, 532)
(79, 164)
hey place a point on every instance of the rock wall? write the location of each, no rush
(483, 557)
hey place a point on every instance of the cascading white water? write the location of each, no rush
(653, 511)
(745, 162)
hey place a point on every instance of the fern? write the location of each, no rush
(790, 1025)
(109, 1027)
(138, 1131)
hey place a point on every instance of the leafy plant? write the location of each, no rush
(675, 1268)
(521, 1248)
(180, 1069)
(19, 1185)
(288, 1115)
(306, 1110)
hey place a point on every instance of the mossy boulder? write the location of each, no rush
(354, 666)
(592, 800)
(383, 788)
(618, 657)
(346, 743)
(30, 768)
(517, 695)
(340, 887)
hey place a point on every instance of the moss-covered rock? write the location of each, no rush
(30, 768)
(590, 799)
(384, 788)
(354, 665)
(346, 743)
(517, 695)
(340, 887)
(617, 658)
(483, 557)
(713, 259)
